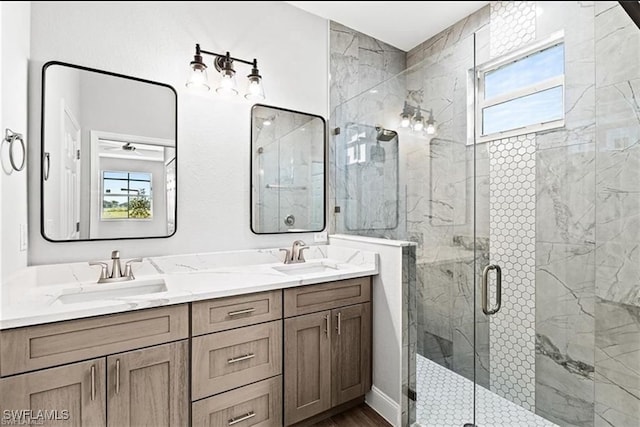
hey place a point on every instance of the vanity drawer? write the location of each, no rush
(43, 346)
(226, 313)
(314, 298)
(230, 359)
(259, 405)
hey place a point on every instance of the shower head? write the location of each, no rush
(385, 135)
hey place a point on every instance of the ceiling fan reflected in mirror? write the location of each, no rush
(115, 148)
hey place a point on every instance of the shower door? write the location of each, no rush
(556, 195)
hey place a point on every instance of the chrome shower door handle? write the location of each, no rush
(485, 289)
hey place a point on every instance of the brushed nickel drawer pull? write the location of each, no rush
(241, 358)
(242, 418)
(339, 328)
(239, 312)
(117, 376)
(93, 382)
(326, 324)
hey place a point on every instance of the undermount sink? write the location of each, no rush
(307, 268)
(112, 291)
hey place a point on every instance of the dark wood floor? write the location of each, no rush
(360, 416)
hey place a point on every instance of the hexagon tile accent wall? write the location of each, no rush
(513, 24)
(512, 201)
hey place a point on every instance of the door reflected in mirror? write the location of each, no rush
(287, 171)
(109, 150)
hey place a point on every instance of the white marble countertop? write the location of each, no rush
(32, 296)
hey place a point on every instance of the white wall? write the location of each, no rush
(113, 104)
(156, 41)
(387, 307)
(15, 55)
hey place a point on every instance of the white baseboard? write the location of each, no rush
(388, 408)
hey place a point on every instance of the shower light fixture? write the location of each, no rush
(405, 116)
(411, 117)
(418, 121)
(431, 124)
(227, 85)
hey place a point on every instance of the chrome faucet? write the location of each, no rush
(295, 255)
(116, 269)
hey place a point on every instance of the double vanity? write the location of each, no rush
(242, 338)
(220, 339)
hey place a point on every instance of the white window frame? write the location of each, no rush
(103, 193)
(481, 103)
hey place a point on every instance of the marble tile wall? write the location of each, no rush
(409, 334)
(617, 219)
(359, 65)
(565, 228)
(573, 285)
(617, 358)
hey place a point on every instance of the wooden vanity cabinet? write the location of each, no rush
(327, 353)
(149, 387)
(141, 387)
(237, 368)
(239, 359)
(71, 395)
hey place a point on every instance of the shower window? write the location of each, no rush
(522, 92)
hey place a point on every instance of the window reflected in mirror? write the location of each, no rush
(109, 155)
(126, 195)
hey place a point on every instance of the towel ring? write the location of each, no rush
(11, 137)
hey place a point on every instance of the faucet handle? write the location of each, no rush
(287, 256)
(301, 253)
(104, 271)
(115, 254)
(128, 272)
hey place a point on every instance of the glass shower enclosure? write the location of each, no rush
(509, 151)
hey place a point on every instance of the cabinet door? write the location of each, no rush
(351, 352)
(71, 395)
(149, 387)
(307, 372)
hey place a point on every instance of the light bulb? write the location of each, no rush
(255, 91)
(405, 122)
(431, 124)
(267, 122)
(198, 79)
(418, 121)
(227, 84)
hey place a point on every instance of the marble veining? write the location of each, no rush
(188, 278)
(617, 364)
(546, 348)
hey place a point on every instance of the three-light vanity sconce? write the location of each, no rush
(227, 83)
(411, 117)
